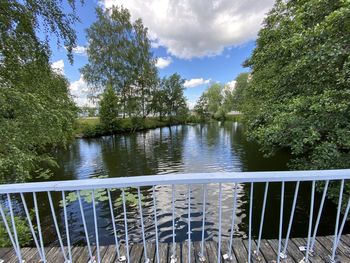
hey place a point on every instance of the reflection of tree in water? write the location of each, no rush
(150, 152)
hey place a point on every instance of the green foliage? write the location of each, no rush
(237, 99)
(299, 94)
(120, 57)
(168, 98)
(23, 231)
(109, 108)
(36, 111)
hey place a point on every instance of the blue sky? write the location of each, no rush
(203, 41)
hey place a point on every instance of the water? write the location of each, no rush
(180, 149)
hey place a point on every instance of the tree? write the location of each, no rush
(109, 109)
(299, 94)
(146, 75)
(120, 56)
(36, 111)
(168, 98)
(201, 107)
(109, 52)
(238, 94)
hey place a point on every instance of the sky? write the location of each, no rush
(203, 41)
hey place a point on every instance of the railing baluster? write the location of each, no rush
(296, 191)
(257, 252)
(56, 225)
(142, 226)
(96, 226)
(14, 244)
(156, 223)
(310, 222)
(343, 222)
(281, 223)
(220, 219)
(125, 226)
(19, 255)
(66, 226)
(189, 223)
(250, 222)
(173, 256)
(26, 211)
(39, 226)
(201, 254)
(92, 259)
(229, 255)
(340, 200)
(113, 224)
(319, 216)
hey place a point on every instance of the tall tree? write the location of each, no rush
(299, 94)
(109, 109)
(146, 75)
(109, 52)
(36, 111)
(120, 56)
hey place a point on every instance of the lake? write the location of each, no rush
(213, 147)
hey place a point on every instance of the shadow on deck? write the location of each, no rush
(322, 251)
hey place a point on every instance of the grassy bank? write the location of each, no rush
(92, 127)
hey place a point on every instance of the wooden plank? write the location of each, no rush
(163, 252)
(293, 251)
(274, 245)
(211, 251)
(254, 248)
(136, 252)
(240, 251)
(4, 251)
(267, 252)
(150, 249)
(342, 249)
(319, 255)
(225, 250)
(197, 250)
(345, 239)
(110, 255)
(184, 252)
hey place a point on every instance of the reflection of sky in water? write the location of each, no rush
(186, 149)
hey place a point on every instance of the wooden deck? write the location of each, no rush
(323, 247)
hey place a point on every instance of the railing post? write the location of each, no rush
(189, 223)
(220, 219)
(281, 223)
(156, 223)
(66, 225)
(19, 255)
(173, 258)
(126, 227)
(256, 253)
(201, 256)
(296, 191)
(228, 256)
(142, 226)
(250, 222)
(340, 200)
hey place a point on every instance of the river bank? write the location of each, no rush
(91, 127)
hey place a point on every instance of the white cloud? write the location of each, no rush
(58, 66)
(79, 50)
(197, 28)
(163, 62)
(80, 92)
(231, 84)
(195, 82)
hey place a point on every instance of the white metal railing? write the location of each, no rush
(174, 180)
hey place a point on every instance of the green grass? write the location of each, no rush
(92, 127)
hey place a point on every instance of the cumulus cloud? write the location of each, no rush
(80, 92)
(195, 82)
(163, 62)
(231, 84)
(79, 50)
(58, 66)
(197, 28)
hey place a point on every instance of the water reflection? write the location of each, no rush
(186, 149)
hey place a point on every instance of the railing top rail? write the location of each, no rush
(177, 178)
